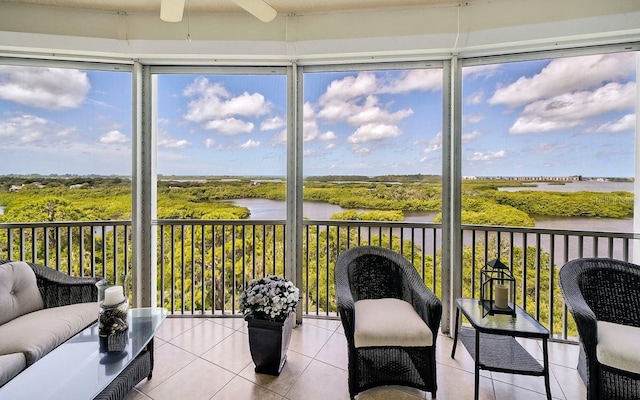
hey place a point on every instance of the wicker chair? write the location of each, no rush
(600, 291)
(370, 272)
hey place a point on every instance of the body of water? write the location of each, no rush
(577, 186)
(263, 209)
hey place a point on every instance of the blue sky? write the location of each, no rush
(550, 117)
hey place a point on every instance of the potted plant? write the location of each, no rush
(268, 305)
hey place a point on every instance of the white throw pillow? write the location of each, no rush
(389, 322)
(618, 346)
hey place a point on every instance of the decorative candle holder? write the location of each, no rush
(497, 289)
(113, 318)
(113, 310)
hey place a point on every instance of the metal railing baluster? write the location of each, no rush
(240, 249)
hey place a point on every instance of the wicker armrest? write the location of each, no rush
(585, 318)
(58, 289)
(346, 305)
(586, 322)
(428, 307)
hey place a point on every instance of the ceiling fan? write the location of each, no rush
(172, 10)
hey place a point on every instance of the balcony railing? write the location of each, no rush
(203, 265)
(88, 248)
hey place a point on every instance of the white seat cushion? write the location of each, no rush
(37, 333)
(10, 366)
(618, 346)
(389, 322)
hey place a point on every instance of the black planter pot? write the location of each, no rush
(268, 342)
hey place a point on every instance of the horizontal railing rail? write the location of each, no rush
(203, 265)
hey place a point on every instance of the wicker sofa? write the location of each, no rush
(603, 295)
(40, 308)
(390, 318)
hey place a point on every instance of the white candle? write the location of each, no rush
(502, 294)
(113, 295)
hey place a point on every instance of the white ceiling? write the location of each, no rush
(310, 32)
(227, 6)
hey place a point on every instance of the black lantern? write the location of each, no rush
(497, 292)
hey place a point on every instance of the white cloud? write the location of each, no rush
(337, 111)
(531, 124)
(415, 79)
(213, 101)
(327, 136)
(361, 150)
(209, 143)
(354, 100)
(272, 124)
(435, 144)
(249, 144)
(373, 132)
(24, 128)
(471, 136)
(626, 123)
(547, 148)
(165, 140)
(487, 156)
(571, 109)
(309, 153)
(230, 126)
(564, 75)
(113, 137)
(310, 128)
(350, 87)
(279, 138)
(475, 98)
(473, 118)
(48, 88)
(481, 71)
(369, 112)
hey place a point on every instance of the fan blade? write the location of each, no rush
(258, 8)
(171, 10)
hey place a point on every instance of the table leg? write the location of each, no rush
(150, 350)
(477, 367)
(545, 355)
(455, 334)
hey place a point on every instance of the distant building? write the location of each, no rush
(572, 178)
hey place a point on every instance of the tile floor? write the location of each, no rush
(208, 358)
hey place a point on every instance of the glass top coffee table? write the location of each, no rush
(81, 368)
(493, 346)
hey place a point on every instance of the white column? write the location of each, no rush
(451, 192)
(144, 190)
(293, 229)
(636, 184)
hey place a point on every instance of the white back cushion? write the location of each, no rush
(619, 346)
(389, 322)
(19, 292)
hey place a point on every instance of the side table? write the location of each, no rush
(493, 345)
